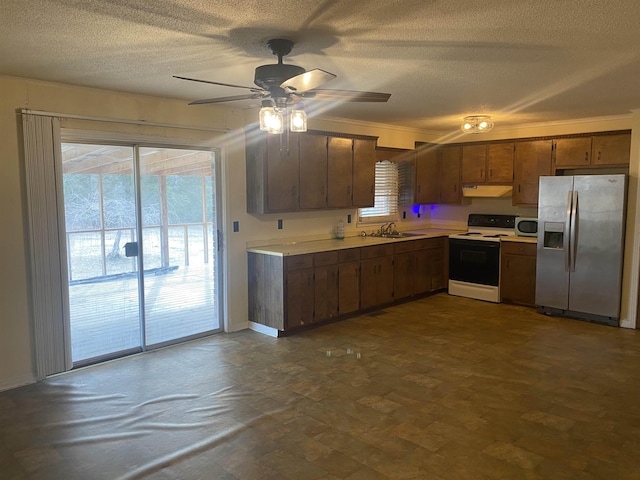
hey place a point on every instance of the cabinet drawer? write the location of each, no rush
(376, 251)
(325, 258)
(429, 243)
(519, 248)
(349, 255)
(406, 246)
(296, 262)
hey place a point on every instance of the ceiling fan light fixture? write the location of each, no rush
(298, 119)
(476, 124)
(271, 120)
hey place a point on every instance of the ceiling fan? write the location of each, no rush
(283, 83)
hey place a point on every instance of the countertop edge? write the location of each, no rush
(316, 246)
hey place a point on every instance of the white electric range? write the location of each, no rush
(474, 256)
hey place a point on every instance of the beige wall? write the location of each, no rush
(16, 355)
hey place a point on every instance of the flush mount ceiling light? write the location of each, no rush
(476, 124)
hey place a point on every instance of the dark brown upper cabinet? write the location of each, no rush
(308, 171)
(531, 161)
(437, 173)
(487, 163)
(592, 151)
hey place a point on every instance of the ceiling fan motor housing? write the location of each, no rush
(271, 76)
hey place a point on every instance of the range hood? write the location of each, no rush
(491, 191)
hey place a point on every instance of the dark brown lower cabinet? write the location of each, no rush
(300, 292)
(405, 274)
(348, 281)
(518, 273)
(418, 267)
(294, 291)
(376, 276)
(325, 282)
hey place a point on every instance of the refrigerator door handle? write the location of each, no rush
(573, 233)
(566, 243)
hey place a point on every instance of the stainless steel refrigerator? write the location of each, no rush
(580, 246)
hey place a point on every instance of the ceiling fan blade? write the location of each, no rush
(345, 96)
(307, 81)
(248, 96)
(253, 89)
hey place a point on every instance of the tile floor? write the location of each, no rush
(440, 388)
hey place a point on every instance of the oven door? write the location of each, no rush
(474, 261)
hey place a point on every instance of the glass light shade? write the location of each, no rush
(266, 113)
(276, 122)
(298, 119)
(271, 120)
(476, 124)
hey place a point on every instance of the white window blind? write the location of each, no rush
(385, 208)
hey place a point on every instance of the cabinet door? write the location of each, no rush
(611, 149)
(404, 267)
(299, 298)
(313, 171)
(422, 272)
(364, 172)
(450, 174)
(531, 161)
(384, 281)
(368, 277)
(500, 162)
(376, 285)
(438, 272)
(427, 176)
(282, 173)
(474, 158)
(340, 172)
(348, 287)
(325, 293)
(573, 152)
(518, 279)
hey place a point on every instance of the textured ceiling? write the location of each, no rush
(522, 62)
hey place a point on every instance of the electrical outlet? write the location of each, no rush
(236, 226)
(279, 224)
(349, 218)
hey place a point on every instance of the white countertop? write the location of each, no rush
(515, 238)
(314, 246)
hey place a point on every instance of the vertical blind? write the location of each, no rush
(41, 137)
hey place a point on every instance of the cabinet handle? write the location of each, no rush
(518, 188)
(481, 172)
(599, 155)
(586, 157)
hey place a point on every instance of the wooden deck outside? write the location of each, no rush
(105, 315)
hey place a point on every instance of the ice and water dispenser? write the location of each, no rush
(553, 235)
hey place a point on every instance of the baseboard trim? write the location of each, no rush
(258, 327)
(15, 382)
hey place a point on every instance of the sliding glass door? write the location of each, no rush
(141, 231)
